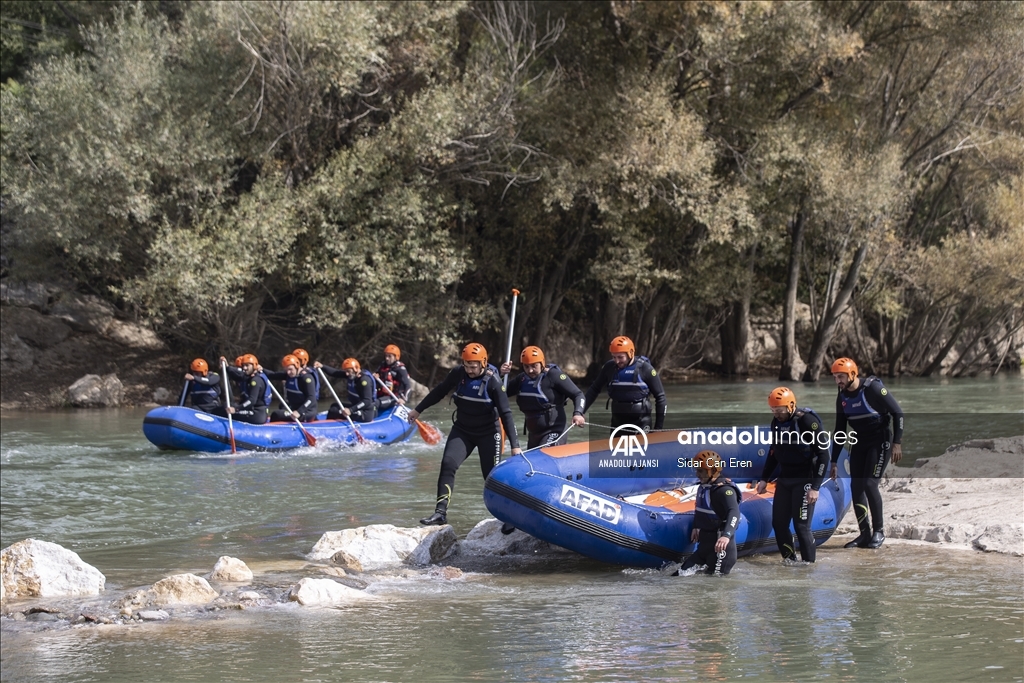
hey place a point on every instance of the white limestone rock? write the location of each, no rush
(486, 539)
(182, 589)
(153, 615)
(326, 593)
(1001, 538)
(383, 545)
(93, 391)
(32, 568)
(232, 570)
(134, 335)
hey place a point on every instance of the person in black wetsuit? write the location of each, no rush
(393, 373)
(253, 391)
(541, 392)
(877, 421)
(716, 516)
(361, 392)
(480, 402)
(797, 449)
(631, 380)
(204, 386)
(299, 392)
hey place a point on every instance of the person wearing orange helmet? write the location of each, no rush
(631, 380)
(716, 516)
(254, 395)
(203, 386)
(541, 392)
(299, 392)
(480, 401)
(877, 421)
(799, 451)
(361, 392)
(303, 357)
(393, 373)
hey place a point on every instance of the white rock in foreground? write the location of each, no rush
(382, 545)
(32, 568)
(182, 589)
(231, 569)
(325, 593)
(486, 539)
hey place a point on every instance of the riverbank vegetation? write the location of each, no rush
(847, 176)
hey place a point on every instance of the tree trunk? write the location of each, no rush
(786, 371)
(830, 317)
(735, 332)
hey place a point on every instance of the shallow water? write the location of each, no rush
(92, 483)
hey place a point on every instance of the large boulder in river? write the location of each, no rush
(382, 545)
(93, 391)
(325, 593)
(486, 539)
(39, 569)
(182, 589)
(231, 570)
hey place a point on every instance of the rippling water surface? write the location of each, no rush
(92, 483)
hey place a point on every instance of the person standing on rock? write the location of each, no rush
(541, 392)
(631, 380)
(716, 516)
(204, 386)
(797, 449)
(480, 402)
(876, 418)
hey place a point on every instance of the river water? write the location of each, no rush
(90, 482)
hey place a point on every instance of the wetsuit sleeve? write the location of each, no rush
(234, 373)
(660, 401)
(497, 392)
(819, 454)
(365, 392)
(309, 390)
(253, 390)
(725, 505)
(514, 384)
(595, 389)
(332, 372)
(441, 390)
(840, 427)
(882, 401)
(212, 379)
(273, 374)
(566, 387)
(404, 382)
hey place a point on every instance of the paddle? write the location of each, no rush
(508, 358)
(330, 387)
(227, 402)
(429, 433)
(309, 437)
(184, 393)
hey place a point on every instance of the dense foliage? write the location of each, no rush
(344, 173)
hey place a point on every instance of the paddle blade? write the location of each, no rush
(310, 439)
(429, 433)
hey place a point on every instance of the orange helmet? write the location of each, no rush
(474, 351)
(393, 350)
(199, 365)
(292, 360)
(351, 364)
(238, 361)
(532, 354)
(782, 397)
(249, 359)
(845, 365)
(623, 345)
(302, 355)
(709, 463)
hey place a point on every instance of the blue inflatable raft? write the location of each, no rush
(634, 505)
(186, 429)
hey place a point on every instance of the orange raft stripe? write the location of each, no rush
(600, 445)
(670, 499)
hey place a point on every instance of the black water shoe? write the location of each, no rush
(859, 542)
(507, 528)
(436, 519)
(877, 539)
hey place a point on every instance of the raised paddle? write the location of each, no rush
(309, 437)
(428, 432)
(330, 387)
(184, 393)
(227, 402)
(508, 358)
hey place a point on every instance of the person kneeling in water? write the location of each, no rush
(715, 519)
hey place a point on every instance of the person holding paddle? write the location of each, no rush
(541, 392)
(480, 402)
(254, 395)
(203, 386)
(395, 377)
(362, 391)
(299, 392)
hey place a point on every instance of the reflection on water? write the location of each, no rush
(90, 482)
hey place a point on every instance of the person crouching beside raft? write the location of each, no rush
(361, 389)
(802, 460)
(867, 406)
(631, 380)
(203, 387)
(299, 391)
(715, 518)
(541, 392)
(479, 400)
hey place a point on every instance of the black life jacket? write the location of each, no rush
(704, 516)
